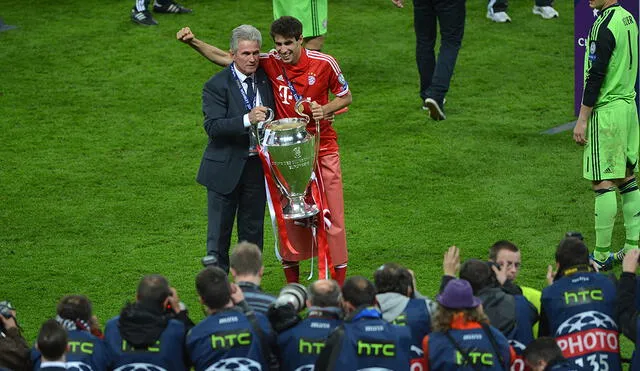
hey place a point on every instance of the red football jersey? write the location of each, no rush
(312, 77)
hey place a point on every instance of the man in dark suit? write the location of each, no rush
(233, 102)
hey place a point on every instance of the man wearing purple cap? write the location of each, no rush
(462, 337)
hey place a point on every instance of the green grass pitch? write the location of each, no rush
(101, 137)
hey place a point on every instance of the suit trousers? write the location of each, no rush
(435, 75)
(247, 202)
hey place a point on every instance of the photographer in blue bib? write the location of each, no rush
(300, 340)
(151, 330)
(231, 333)
(364, 340)
(86, 347)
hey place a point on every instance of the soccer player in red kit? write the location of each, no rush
(297, 74)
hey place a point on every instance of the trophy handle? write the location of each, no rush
(299, 108)
(262, 124)
(270, 116)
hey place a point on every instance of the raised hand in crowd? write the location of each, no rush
(551, 274)
(451, 261)
(501, 273)
(630, 261)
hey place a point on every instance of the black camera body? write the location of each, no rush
(5, 311)
(283, 313)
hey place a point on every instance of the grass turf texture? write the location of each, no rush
(102, 136)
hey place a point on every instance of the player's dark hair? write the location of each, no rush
(212, 284)
(286, 26)
(74, 307)
(478, 273)
(358, 291)
(392, 277)
(571, 252)
(154, 290)
(542, 349)
(499, 246)
(246, 258)
(52, 340)
(325, 293)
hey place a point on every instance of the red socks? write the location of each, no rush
(341, 274)
(291, 271)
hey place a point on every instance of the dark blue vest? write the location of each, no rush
(371, 342)
(227, 337)
(415, 316)
(580, 310)
(443, 355)
(635, 358)
(85, 349)
(301, 344)
(166, 354)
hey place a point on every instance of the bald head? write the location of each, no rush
(324, 293)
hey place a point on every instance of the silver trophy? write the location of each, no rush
(293, 154)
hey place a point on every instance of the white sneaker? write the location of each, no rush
(435, 111)
(545, 12)
(500, 17)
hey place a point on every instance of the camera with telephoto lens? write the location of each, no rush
(5, 311)
(294, 294)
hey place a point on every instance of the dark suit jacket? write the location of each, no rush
(228, 148)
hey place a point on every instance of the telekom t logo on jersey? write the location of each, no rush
(283, 91)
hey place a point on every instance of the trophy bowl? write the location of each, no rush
(293, 154)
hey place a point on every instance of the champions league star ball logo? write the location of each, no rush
(518, 363)
(585, 321)
(78, 366)
(236, 363)
(140, 367)
(587, 333)
(297, 152)
(517, 346)
(309, 367)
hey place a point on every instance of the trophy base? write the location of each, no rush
(295, 211)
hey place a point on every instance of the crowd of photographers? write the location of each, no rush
(480, 320)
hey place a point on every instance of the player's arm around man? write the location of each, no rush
(223, 59)
(215, 55)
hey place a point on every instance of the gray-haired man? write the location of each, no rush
(232, 101)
